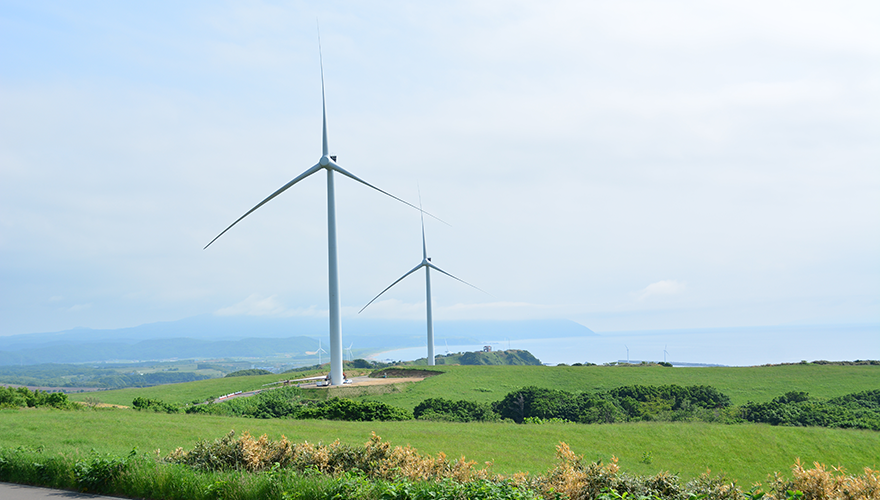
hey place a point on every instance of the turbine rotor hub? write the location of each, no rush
(324, 161)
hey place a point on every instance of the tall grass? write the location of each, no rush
(240, 468)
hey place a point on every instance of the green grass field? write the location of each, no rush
(746, 452)
(492, 383)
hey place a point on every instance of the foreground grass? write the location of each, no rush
(744, 452)
(492, 383)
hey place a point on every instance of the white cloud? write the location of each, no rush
(78, 307)
(665, 287)
(396, 309)
(256, 305)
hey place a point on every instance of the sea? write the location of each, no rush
(735, 346)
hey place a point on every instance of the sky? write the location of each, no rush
(625, 165)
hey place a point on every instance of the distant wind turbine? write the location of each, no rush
(665, 352)
(329, 164)
(319, 351)
(350, 357)
(426, 263)
(627, 354)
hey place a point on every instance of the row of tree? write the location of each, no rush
(21, 397)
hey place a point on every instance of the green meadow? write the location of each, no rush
(492, 383)
(745, 452)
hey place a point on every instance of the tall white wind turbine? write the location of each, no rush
(426, 263)
(329, 164)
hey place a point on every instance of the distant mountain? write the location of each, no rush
(210, 336)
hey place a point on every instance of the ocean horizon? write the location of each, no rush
(735, 346)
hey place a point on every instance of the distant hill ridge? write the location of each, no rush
(210, 336)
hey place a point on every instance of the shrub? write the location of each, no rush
(352, 410)
(157, 405)
(247, 373)
(859, 410)
(454, 411)
(19, 397)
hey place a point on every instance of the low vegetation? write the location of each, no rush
(288, 402)
(247, 373)
(246, 467)
(22, 397)
(860, 410)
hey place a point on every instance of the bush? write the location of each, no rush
(859, 410)
(247, 373)
(351, 410)
(454, 411)
(20, 397)
(157, 405)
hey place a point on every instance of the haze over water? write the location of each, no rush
(745, 346)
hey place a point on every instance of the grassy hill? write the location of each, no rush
(491, 383)
(508, 357)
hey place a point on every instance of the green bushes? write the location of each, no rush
(20, 397)
(859, 411)
(661, 403)
(623, 404)
(352, 410)
(454, 411)
(157, 405)
(247, 373)
(288, 402)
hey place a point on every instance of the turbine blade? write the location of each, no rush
(323, 100)
(276, 193)
(432, 266)
(422, 216)
(391, 285)
(350, 175)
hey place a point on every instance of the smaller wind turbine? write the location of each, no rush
(426, 263)
(350, 358)
(447, 346)
(627, 353)
(664, 353)
(319, 351)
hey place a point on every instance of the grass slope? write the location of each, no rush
(492, 383)
(757, 383)
(745, 452)
(201, 390)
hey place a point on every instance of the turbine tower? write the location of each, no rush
(329, 164)
(426, 263)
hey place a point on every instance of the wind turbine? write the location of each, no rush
(627, 353)
(319, 351)
(329, 164)
(350, 357)
(426, 263)
(665, 353)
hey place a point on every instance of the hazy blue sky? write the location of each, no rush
(627, 165)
